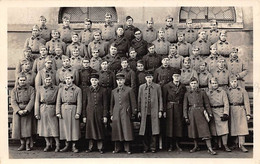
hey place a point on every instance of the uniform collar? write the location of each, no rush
(237, 88)
(182, 42)
(167, 27)
(37, 37)
(222, 42)
(189, 30)
(150, 29)
(186, 69)
(121, 89)
(234, 60)
(50, 86)
(22, 87)
(90, 30)
(68, 27)
(161, 39)
(66, 68)
(212, 57)
(58, 57)
(218, 90)
(55, 40)
(222, 70)
(68, 87)
(43, 27)
(151, 86)
(92, 89)
(74, 58)
(77, 43)
(202, 40)
(216, 30)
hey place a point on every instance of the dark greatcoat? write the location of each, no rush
(122, 44)
(140, 47)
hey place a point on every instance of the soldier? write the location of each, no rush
(58, 57)
(203, 76)
(187, 72)
(197, 114)
(202, 43)
(27, 56)
(108, 30)
(45, 32)
(55, 42)
(140, 73)
(34, 42)
(75, 59)
(121, 42)
(161, 44)
(170, 31)
(175, 60)
(114, 60)
(65, 31)
(184, 48)
(95, 113)
(220, 109)
(86, 35)
(191, 35)
(97, 43)
(149, 34)
(139, 44)
(130, 78)
(238, 67)
(75, 43)
(68, 110)
(223, 46)
(222, 74)
(213, 33)
(26, 70)
(212, 59)
(163, 74)
(195, 58)
(151, 60)
(129, 28)
(122, 107)
(239, 112)
(173, 94)
(132, 58)
(45, 110)
(39, 63)
(22, 102)
(66, 68)
(95, 61)
(150, 108)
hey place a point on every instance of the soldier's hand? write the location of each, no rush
(111, 118)
(25, 111)
(20, 112)
(160, 114)
(248, 117)
(84, 119)
(38, 117)
(105, 120)
(187, 121)
(59, 116)
(77, 116)
(164, 114)
(139, 115)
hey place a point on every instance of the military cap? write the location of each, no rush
(150, 45)
(42, 17)
(213, 79)
(27, 49)
(213, 46)
(43, 46)
(136, 30)
(168, 17)
(128, 17)
(66, 17)
(201, 30)
(161, 29)
(95, 49)
(186, 59)
(232, 77)
(234, 49)
(124, 59)
(150, 20)
(120, 76)
(48, 58)
(87, 20)
(97, 31)
(221, 59)
(176, 71)
(149, 73)
(21, 74)
(203, 62)
(193, 79)
(223, 32)
(94, 75)
(108, 14)
(120, 26)
(140, 61)
(188, 20)
(35, 27)
(173, 45)
(74, 33)
(195, 47)
(131, 49)
(180, 33)
(75, 48)
(54, 31)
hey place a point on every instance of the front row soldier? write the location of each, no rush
(22, 102)
(68, 110)
(150, 108)
(197, 113)
(95, 113)
(45, 109)
(239, 112)
(122, 108)
(173, 95)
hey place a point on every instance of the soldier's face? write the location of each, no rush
(55, 35)
(94, 81)
(120, 82)
(66, 22)
(165, 62)
(221, 64)
(223, 37)
(132, 54)
(69, 80)
(172, 51)
(213, 50)
(149, 24)
(140, 67)
(214, 84)
(180, 38)
(22, 81)
(138, 35)
(233, 83)
(108, 19)
(66, 62)
(88, 25)
(169, 22)
(161, 34)
(129, 22)
(43, 51)
(43, 21)
(85, 63)
(104, 65)
(35, 32)
(186, 64)
(233, 55)
(48, 64)
(195, 52)
(120, 31)
(213, 25)
(113, 50)
(58, 51)
(202, 66)
(95, 54)
(48, 81)
(124, 64)
(97, 36)
(26, 66)
(149, 79)
(75, 38)
(189, 24)
(203, 35)
(27, 54)
(176, 77)
(194, 85)
(151, 49)
(75, 52)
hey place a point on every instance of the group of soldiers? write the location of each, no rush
(194, 79)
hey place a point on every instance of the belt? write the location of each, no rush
(236, 104)
(217, 106)
(23, 103)
(69, 103)
(48, 103)
(194, 105)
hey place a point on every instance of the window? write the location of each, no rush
(78, 14)
(205, 14)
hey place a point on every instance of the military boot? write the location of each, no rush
(66, 148)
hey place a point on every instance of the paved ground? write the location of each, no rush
(38, 153)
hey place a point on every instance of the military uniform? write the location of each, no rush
(152, 61)
(45, 33)
(39, 64)
(100, 45)
(82, 49)
(130, 77)
(53, 43)
(42, 74)
(161, 46)
(171, 34)
(76, 62)
(86, 36)
(68, 105)
(222, 76)
(58, 61)
(163, 75)
(140, 47)
(213, 36)
(65, 34)
(195, 62)
(132, 62)
(22, 98)
(45, 107)
(95, 63)
(149, 35)
(184, 48)
(114, 62)
(176, 61)
(129, 32)
(108, 32)
(30, 76)
(224, 48)
(187, 74)
(220, 106)
(204, 46)
(204, 78)
(191, 35)
(18, 68)
(122, 44)
(34, 43)
(212, 61)
(63, 71)
(140, 78)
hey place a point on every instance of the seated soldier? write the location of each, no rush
(195, 58)
(151, 60)
(175, 60)
(75, 59)
(187, 72)
(76, 44)
(95, 61)
(55, 42)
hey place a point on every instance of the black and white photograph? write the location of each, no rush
(121, 81)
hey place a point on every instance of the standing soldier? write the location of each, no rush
(86, 35)
(161, 44)
(195, 58)
(222, 74)
(213, 33)
(35, 42)
(108, 30)
(223, 46)
(203, 76)
(239, 112)
(22, 102)
(175, 60)
(26, 70)
(95, 114)
(184, 48)
(45, 110)
(151, 60)
(212, 59)
(68, 110)
(122, 107)
(191, 35)
(45, 32)
(66, 30)
(129, 28)
(27, 56)
(149, 33)
(170, 31)
(237, 67)
(220, 108)
(97, 43)
(75, 43)
(139, 44)
(114, 60)
(173, 94)
(150, 108)
(55, 42)
(202, 43)
(187, 72)
(196, 110)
